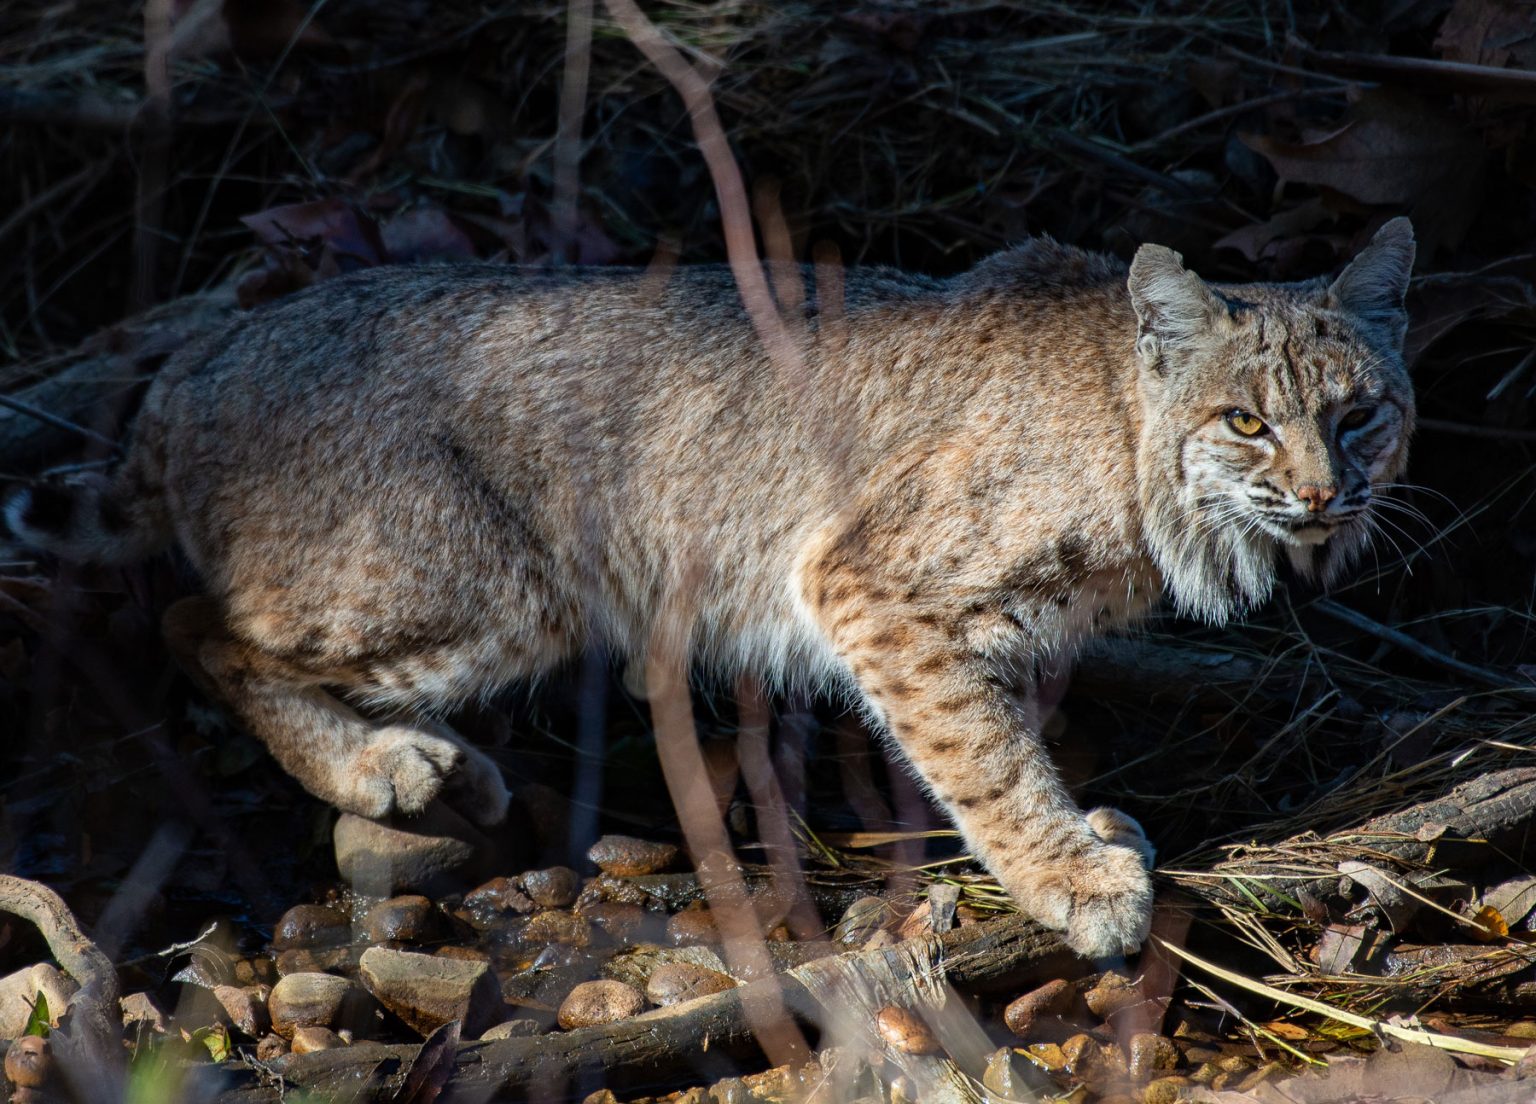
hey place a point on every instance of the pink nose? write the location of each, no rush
(1316, 497)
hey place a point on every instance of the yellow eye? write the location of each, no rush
(1356, 418)
(1245, 423)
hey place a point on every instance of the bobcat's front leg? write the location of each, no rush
(925, 668)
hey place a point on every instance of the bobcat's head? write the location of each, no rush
(1274, 413)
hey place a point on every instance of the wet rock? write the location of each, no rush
(635, 966)
(1084, 1056)
(557, 927)
(1148, 1054)
(511, 1029)
(1051, 999)
(905, 1031)
(1048, 1055)
(307, 927)
(599, 1002)
(379, 858)
(555, 887)
(487, 904)
(860, 920)
(1110, 994)
(464, 954)
(18, 992)
(675, 982)
(619, 922)
(256, 970)
(692, 927)
(626, 856)
(271, 1047)
(246, 1007)
(1166, 1090)
(325, 960)
(408, 919)
(601, 1096)
(1010, 1076)
(427, 991)
(142, 1013)
(307, 1040)
(315, 1000)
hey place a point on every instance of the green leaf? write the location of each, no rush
(216, 1039)
(37, 1022)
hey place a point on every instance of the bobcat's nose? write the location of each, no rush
(1316, 496)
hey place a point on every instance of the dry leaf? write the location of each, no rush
(1513, 899)
(1392, 149)
(1488, 925)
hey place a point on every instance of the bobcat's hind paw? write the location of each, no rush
(405, 767)
(400, 770)
(476, 788)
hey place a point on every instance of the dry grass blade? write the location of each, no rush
(1376, 1026)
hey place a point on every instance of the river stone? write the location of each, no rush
(675, 982)
(626, 856)
(409, 919)
(621, 923)
(378, 858)
(555, 887)
(692, 926)
(18, 993)
(308, 927)
(141, 1012)
(635, 965)
(557, 926)
(246, 1007)
(427, 991)
(512, 1029)
(593, 1003)
(314, 1000)
(307, 1040)
(494, 900)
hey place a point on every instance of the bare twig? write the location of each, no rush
(1481, 675)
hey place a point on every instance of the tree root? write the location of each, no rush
(88, 1044)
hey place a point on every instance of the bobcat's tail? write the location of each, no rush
(115, 518)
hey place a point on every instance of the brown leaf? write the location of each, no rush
(324, 229)
(1489, 32)
(1392, 149)
(1336, 950)
(426, 234)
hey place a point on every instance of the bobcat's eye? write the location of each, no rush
(1356, 417)
(1246, 424)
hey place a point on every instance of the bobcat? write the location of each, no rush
(409, 486)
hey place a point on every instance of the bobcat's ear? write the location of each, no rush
(1373, 285)
(1174, 307)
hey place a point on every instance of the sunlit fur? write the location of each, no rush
(1221, 507)
(410, 486)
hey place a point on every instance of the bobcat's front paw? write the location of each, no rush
(1101, 901)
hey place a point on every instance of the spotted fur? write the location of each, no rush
(414, 485)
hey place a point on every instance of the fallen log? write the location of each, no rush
(1475, 822)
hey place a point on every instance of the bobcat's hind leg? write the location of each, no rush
(334, 753)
